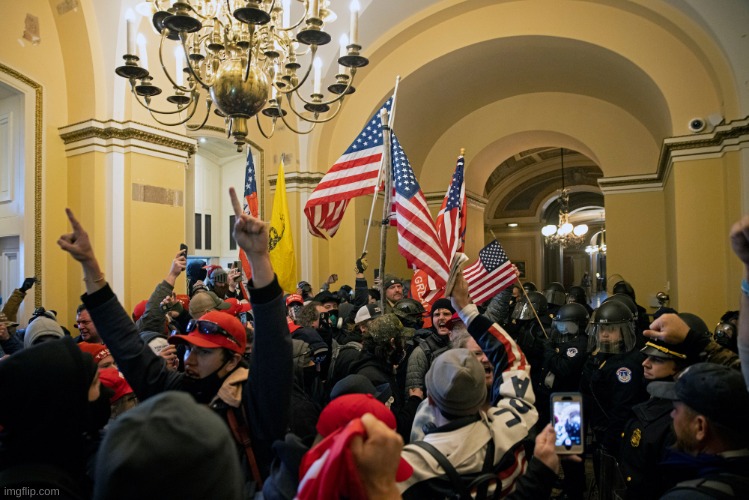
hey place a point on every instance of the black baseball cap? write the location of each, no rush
(712, 390)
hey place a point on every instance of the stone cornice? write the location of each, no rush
(728, 137)
(111, 135)
(297, 181)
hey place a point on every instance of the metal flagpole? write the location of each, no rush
(528, 301)
(386, 202)
(379, 173)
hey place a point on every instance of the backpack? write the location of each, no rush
(722, 485)
(425, 342)
(336, 351)
(455, 486)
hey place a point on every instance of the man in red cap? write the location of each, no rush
(254, 402)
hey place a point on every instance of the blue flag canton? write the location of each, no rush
(250, 186)
(492, 256)
(404, 180)
(453, 194)
(371, 135)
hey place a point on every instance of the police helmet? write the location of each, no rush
(523, 308)
(625, 288)
(555, 293)
(569, 322)
(612, 330)
(410, 312)
(530, 286)
(577, 295)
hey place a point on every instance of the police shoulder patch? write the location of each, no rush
(624, 375)
(571, 352)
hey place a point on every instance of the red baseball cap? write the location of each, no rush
(237, 307)
(343, 409)
(139, 310)
(202, 336)
(98, 351)
(294, 297)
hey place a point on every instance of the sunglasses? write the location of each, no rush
(208, 328)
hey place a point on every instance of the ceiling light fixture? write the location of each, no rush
(244, 57)
(565, 234)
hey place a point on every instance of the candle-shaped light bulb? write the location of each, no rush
(344, 43)
(128, 37)
(142, 52)
(179, 63)
(354, 31)
(318, 75)
(314, 8)
(286, 13)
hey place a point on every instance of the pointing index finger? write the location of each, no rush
(73, 221)
(235, 202)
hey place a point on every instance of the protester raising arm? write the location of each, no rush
(154, 318)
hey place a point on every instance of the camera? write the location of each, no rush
(697, 125)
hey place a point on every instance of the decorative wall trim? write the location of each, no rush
(297, 181)
(38, 141)
(125, 137)
(731, 136)
(472, 199)
(160, 195)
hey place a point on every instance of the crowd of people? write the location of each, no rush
(344, 393)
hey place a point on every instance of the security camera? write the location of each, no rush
(696, 125)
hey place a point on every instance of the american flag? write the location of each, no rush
(489, 275)
(451, 220)
(417, 237)
(250, 207)
(354, 174)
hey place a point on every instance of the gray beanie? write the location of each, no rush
(42, 327)
(147, 451)
(456, 383)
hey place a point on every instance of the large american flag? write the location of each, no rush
(489, 275)
(451, 220)
(417, 237)
(250, 207)
(354, 174)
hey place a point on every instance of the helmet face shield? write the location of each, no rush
(565, 331)
(523, 311)
(613, 338)
(555, 297)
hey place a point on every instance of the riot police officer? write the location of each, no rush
(612, 376)
(577, 295)
(529, 335)
(556, 296)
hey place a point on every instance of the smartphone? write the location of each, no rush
(567, 419)
(376, 273)
(183, 249)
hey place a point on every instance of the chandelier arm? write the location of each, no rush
(163, 67)
(205, 119)
(194, 108)
(183, 40)
(291, 127)
(340, 96)
(260, 127)
(306, 75)
(314, 120)
(249, 55)
(295, 25)
(151, 110)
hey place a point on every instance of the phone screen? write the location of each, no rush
(567, 419)
(376, 273)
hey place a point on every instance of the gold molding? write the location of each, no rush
(709, 143)
(107, 132)
(297, 180)
(38, 138)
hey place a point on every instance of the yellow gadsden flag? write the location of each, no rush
(281, 243)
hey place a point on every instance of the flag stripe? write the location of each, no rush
(490, 274)
(353, 174)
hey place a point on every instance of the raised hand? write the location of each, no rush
(740, 239)
(251, 234)
(77, 243)
(669, 328)
(460, 297)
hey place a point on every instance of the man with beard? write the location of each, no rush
(87, 328)
(429, 346)
(711, 456)
(254, 402)
(393, 291)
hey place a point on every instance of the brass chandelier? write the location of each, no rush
(565, 234)
(244, 57)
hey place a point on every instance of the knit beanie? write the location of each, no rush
(442, 304)
(456, 383)
(42, 327)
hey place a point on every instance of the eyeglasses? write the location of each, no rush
(209, 328)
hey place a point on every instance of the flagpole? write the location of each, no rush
(386, 201)
(379, 172)
(528, 300)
